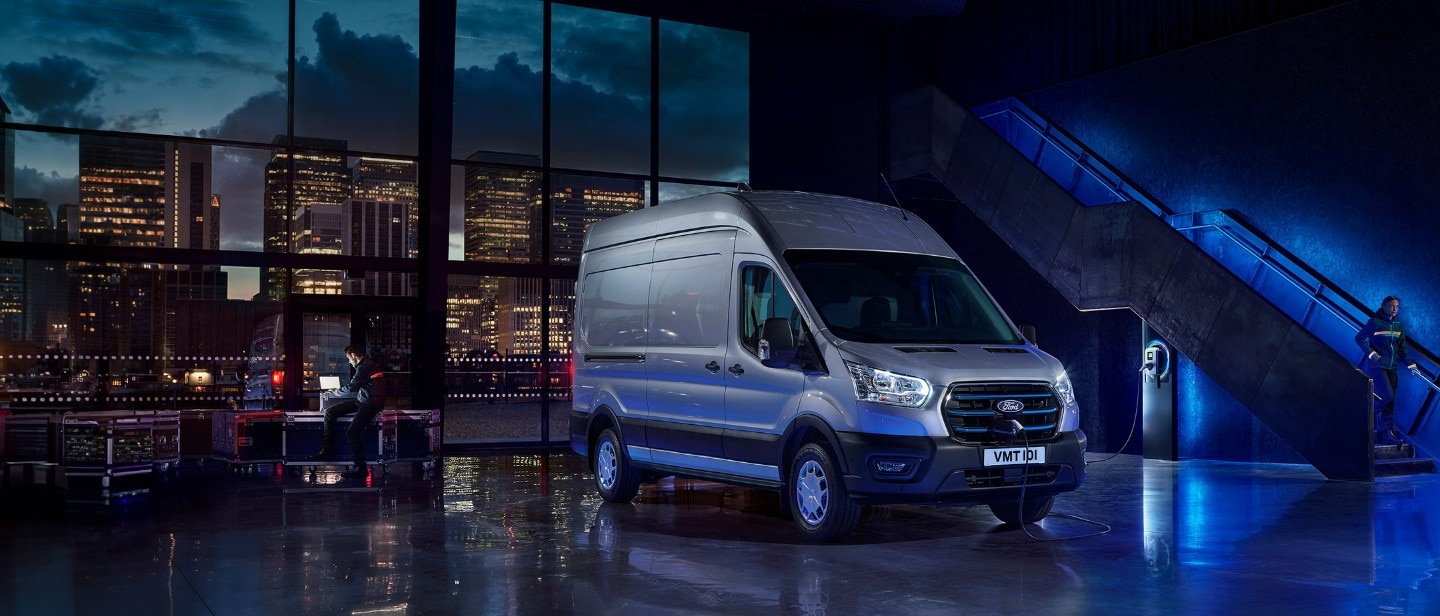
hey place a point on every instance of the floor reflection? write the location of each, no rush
(526, 534)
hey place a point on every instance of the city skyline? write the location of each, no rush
(228, 59)
(211, 138)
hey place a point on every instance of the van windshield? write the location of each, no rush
(889, 297)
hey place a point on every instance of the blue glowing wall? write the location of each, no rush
(1213, 425)
(1319, 130)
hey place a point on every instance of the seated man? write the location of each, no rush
(368, 397)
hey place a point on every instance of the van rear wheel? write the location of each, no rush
(615, 479)
(816, 496)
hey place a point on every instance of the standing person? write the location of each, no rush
(366, 390)
(1383, 340)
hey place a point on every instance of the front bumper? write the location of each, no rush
(945, 472)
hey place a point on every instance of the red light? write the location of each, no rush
(277, 378)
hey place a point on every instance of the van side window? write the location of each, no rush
(614, 303)
(770, 320)
(688, 301)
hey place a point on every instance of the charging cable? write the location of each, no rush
(1025, 481)
(1134, 421)
(1148, 364)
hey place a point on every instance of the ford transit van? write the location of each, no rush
(833, 349)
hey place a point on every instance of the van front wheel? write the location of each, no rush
(615, 479)
(816, 496)
(1012, 514)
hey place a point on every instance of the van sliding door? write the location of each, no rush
(687, 329)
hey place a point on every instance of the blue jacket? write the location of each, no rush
(367, 384)
(1386, 337)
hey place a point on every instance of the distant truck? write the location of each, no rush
(265, 372)
(833, 349)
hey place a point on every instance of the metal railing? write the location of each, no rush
(1319, 306)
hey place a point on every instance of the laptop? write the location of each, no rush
(328, 383)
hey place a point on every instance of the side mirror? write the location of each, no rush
(1028, 331)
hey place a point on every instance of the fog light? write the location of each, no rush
(892, 467)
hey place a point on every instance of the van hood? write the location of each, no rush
(947, 362)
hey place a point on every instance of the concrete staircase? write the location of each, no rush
(1120, 255)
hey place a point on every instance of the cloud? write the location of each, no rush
(171, 30)
(148, 120)
(613, 58)
(594, 130)
(363, 88)
(488, 29)
(54, 188)
(57, 90)
(497, 109)
(259, 118)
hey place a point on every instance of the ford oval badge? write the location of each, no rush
(1009, 406)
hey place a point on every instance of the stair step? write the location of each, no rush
(1394, 452)
(1403, 466)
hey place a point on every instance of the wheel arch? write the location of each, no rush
(601, 418)
(810, 429)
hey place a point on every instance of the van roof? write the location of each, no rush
(785, 220)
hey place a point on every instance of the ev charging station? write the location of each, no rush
(1159, 424)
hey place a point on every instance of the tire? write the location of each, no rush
(816, 496)
(875, 514)
(615, 479)
(1035, 510)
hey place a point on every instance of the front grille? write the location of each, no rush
(972, 408)
(1033, 475)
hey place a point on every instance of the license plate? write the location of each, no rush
(1014, 455)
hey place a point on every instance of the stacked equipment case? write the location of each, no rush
(417, 436)
(107, 444)
(248, 437)
(305, 431)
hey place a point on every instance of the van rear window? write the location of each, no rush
(614, 306)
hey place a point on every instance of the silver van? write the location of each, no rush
(834, 349)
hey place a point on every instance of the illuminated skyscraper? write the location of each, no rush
(193, 218)
(518, 315)
(12, 281)
(502, 224)
(378, 229)
(465, 312)
(320, 177)
(146, 194)
(577, 200)
(393, 181)
(502, 209)
(319, 229)
(122, 191)
(34, 212)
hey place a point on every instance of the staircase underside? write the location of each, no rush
(1122, 256)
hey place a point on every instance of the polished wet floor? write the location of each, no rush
(526, 534)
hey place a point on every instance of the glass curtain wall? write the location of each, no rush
(183, 182)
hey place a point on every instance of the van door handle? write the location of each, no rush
(737, 370)
(713, 366)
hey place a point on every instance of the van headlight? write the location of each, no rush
(876, 385)
(1069, 409)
